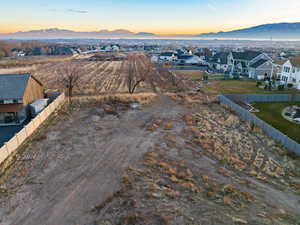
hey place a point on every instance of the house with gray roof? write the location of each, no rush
(188, 59)
(17, 91)
(239, 62)
(219, 62)
(261, 69)
(167, 57)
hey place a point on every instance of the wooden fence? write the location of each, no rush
(12, 145)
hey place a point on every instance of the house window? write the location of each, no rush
(8, 101)
(287, 69)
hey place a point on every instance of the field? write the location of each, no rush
(238, 87)
(96, 77)
(170, 162)
(271, 113)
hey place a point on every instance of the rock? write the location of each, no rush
(96, 118)
(169, 126)
(135, 105)
(107, 107)
(239, 220)
(231, 121)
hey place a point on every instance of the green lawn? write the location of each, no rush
(271, 113)
(191, 74)
(239, 87)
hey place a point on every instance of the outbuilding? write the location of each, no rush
(17, 92)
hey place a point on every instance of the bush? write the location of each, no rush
(290, 85)
(281, 87)
(258, 83)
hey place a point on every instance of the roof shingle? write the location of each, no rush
(12, 86)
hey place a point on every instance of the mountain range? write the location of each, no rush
(266, 31)
(62, 33)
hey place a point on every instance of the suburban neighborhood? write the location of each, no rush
(150, 112)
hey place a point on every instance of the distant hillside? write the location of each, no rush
(276, 30)
(145, 34)
(61, 33)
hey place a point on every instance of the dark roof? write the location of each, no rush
(179, 52)
(185, 56)
(248, 55)
(166, 53)
(258, 63)
(12, 86)
(220, 57)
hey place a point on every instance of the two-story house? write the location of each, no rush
(239, 62)
(261, 69)
(17, 91)
(219, 62)
(291, 72)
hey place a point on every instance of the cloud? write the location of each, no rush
(76, 11)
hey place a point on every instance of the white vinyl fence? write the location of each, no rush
(13, 144)
(275, 134)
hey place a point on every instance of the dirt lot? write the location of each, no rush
(169, 163)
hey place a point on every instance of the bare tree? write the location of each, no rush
(69, 76)
(135, 76)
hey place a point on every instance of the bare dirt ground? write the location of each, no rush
(169, 163)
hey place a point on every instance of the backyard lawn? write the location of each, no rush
(239, 87)
(191, 74)
(196, 74)
(271, 113)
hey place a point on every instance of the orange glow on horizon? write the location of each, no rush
(17, 28)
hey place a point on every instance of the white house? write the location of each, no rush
(167, 57)
(261, 69)
(239, 62)
(278, 68)
(189, 59)
(291, 72)
(219, 62)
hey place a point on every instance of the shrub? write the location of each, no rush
(281, 87)
(290, 85)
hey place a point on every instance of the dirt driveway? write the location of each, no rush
(77, 164)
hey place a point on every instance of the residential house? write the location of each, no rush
(291, 72)
(188, 59)
(219, 62)
(167, 57)
(17, 91)
(261, 69)
(239, 62)
(278, 68)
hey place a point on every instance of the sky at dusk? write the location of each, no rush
(157, 16)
